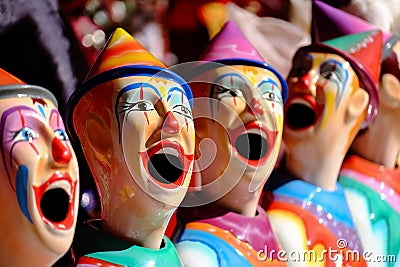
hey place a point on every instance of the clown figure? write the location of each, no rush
(370, 175)
(238, 109)
(332, 94)
(40, 181)
(133, 119)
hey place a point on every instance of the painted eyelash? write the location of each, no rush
(222, 89)
(13, 135)
(126, 106)
(190, 116)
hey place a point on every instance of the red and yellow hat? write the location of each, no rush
(122, 50)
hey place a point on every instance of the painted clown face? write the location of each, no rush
(41, 173)
(137, 134)
(157, 136)
(238, 123)
(320, 86)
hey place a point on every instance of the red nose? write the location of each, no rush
(256, 107)
(60, 151)
(170, 124)
(305, 82)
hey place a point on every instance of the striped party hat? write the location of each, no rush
(122, 50)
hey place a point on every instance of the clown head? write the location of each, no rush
(332, 93)
(380, 143)
(133, 119)
(238, 109)
(40, 185)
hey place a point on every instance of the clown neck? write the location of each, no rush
(320, 167)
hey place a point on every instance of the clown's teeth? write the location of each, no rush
(63, 184)
(256, 131)
(300, 101)
(168, 150)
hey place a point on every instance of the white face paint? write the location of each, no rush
(42, 172)
(157, 137)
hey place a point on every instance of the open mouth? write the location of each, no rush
(253, 142)
(166, 163)
(55, 201)
(301, 113)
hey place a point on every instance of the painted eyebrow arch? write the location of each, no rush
(340, 64)
(175, 88)
(137, 86)
(336, 62)
(268, 81)
(229, 74)
(215, 82)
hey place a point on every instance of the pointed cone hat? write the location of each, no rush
(363, 52)
(329, 23)
(231, 47)
(230, 43)
(122, 50)
(13, 87)
(7, 78)
(122, 56)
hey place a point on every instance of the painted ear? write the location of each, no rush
(98, 135)
(389, 91)
(357, 105)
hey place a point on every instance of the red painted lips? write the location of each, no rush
(166, 163)
(55, 201)
(252, 142)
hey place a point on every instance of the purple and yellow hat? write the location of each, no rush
(231, 47)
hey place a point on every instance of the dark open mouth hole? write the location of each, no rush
(55, 204)
(251, 146)
(165, 168)
(300, 116)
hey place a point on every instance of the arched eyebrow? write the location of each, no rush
(268, 81)
(138, 86)
(277, 89)
(58, 119)
(229, 74)
(128, 88)
(173, 89)
(216, 81)
(345, 79)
